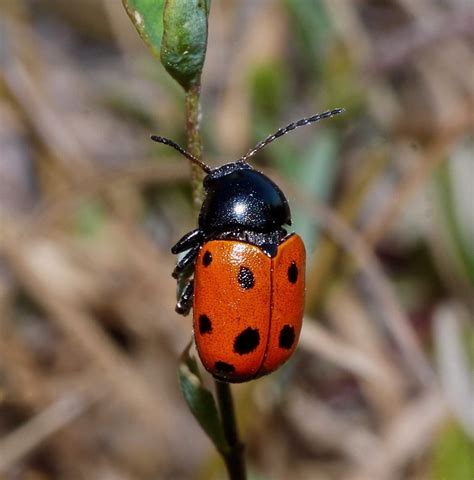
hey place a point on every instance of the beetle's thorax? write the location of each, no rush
(241, 198)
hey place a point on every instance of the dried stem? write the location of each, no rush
(25, 439)
(233, 458)
(193, 114)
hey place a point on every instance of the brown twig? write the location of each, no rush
(320, 341)
(432, 156)
(29, 436)
(193, 114)
(119, 372)
(234, 457)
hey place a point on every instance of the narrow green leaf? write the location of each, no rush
(200, 400)
(460, 246)
(147, 16)
(184, 44)
(453, 457)
(315, 171)
(311, 27)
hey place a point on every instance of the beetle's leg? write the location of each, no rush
(188, 241)
(186, 261)
(185, 301)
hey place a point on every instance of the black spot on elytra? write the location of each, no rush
(287, 337)
(245, 278)
(293, 272)
(207, 258)
(205, 324)
(224, 367)
(246, 341)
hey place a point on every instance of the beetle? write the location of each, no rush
(248, 289)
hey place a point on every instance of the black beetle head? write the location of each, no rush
(241, 198)
(237, 196)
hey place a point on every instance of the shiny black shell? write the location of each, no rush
(241, 198)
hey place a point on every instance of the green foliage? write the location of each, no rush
(268, 81)
(468, 343)
(453, 457)
(200, 400)
(176, 31)
(89, 218)
(315, 170)
(147, 16)
(184, 44)
(311, 28)
(458, 240)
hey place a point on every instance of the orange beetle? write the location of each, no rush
(247, 293)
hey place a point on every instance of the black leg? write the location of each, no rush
(188, 241)
(186, 261)
(185, 301)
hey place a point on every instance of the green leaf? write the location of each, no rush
(200, 400)
(147, 16)
(460, 246)
(184, 44)
(311, 26)
(452, 456)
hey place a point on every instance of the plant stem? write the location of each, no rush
(234, 457)
(193, 116)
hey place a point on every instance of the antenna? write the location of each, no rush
(189, 156)
(288, 128)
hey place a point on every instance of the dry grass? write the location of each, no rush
(89, 341)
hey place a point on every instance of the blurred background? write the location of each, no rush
(381, 387)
